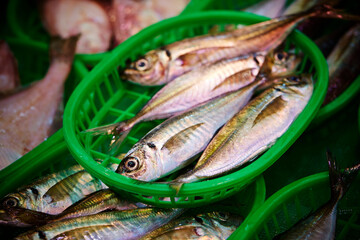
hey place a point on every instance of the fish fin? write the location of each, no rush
(327, 11)
(110, 129)
(31, 217)
(340, 181)
(176, 186)
(274, 106)
(244, 76)
(116, 142)
(63, 49)
(57, 193)
(173, 142)
(7, 156)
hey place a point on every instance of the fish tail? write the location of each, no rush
(110, 129)
(340, 181)
(118, 131)
(176, 186)
(327, 11)
(63, 49)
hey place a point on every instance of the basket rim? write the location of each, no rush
(111, 178)
(256, 218)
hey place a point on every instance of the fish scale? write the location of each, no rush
(178, 139)
(251, 131)
(191, 90)
(109, 225)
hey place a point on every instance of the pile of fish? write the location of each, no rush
(70, 204)
(228, 97)
(224, 97)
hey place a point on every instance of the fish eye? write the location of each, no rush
(280, 56)
(142, 64)
(10, 202)
(131, 164)
(223, 216)
(199, 220)
(294, 79)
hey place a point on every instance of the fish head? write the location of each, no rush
(224, 222)
(140, 163)
(301, 85)
(150, 69)
(281, 63)
(22, 217)
(12, 200)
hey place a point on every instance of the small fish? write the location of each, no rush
(162, 65)
(343, 63)
(9, 75)
(88, 18)
(322, 223)
(26, 116)
(127, 224)
(174, 143)
(102, 200)
(130, 16)
(190, 90)
(213, 225)
(251, 131)
(55, 192)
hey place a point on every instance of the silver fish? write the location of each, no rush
(119, 225)
(252, 131)
(192, 89)
(173, 144)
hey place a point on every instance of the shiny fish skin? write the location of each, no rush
(168, 62)
(128, 224)
(55, 192)
(26, 117)
(96, 202)
(172, 144)
(253, 130)
(192, 89)
(322, 223)
(214, 225)
(9, 75)
(343, 63)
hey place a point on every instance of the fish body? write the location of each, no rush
(117, 225)
(343, 63)
(88, 18)
(130, 16)
(168, 62)
(253, 130)
(55, 192)
(96, 202)
(9, 75)
(322, 223)
(173, 144)
(192, 89)
(201, 226)
(26, 117)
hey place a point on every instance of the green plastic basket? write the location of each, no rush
(104, 98)
(206, 5)
(295, 201)
(33, 63)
